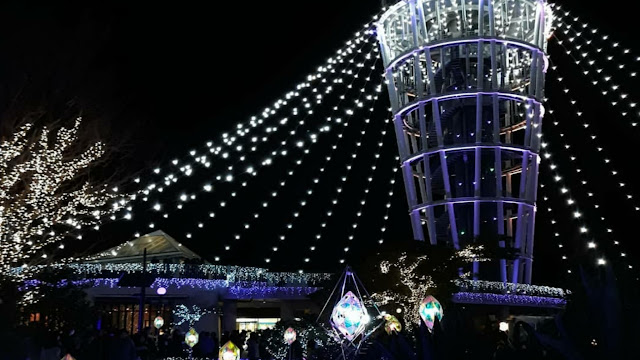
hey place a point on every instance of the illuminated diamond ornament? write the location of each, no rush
(68, 357)
(349, 316)
(289, 336)
(229, 352)
(392, 324)
(429, 310)
(191, 337)
(158, 322)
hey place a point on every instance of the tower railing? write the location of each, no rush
(466, 81)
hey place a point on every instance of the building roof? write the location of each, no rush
(159, 245)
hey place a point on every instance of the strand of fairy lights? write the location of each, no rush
(228, 174)
(269, 130)
(565, 19)
(188, 169)
(584, 183)
(253, 122)
(316, 180)
(552, 221)
(208, 188)
(599, 146)
(344, 178)
(366, 190)
(612, 89)
(563, 189)
(243, 129)
(357, 104)
(365, 40)
(392, 185)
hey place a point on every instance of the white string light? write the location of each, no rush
(385, 218)
(227, 174)
(229, 177)
(543, 198)
(316, 180)
(606, 162)
(306, 148)
(344, 178)
(367, 187)
(606, 84)
(563, 189)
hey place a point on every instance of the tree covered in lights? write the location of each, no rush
(312, 340)
(399, 278)
(46, 191)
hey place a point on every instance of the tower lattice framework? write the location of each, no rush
(466, 82)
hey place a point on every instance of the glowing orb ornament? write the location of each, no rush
(158, 322)
(161, 291)
(392, 324)
(191, 337)
(504, 326)
(429, 310)
(68, 357)
(289, 336)
(229, 352)
(349, 316)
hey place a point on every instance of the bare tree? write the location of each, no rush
(46, 191)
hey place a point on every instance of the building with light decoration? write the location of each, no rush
(239, 298)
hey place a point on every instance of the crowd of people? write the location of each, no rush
(118, 344)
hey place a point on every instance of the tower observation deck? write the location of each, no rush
(466, 82)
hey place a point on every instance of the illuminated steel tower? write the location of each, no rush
(466, 81)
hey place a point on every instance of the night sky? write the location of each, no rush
(164, 79)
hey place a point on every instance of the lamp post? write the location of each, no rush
(142, 291)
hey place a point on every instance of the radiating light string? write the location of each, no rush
(599, 146)
(316, 180)
(186, 170)
(255, 172)
(340, 134)
(289, 172)
(227, 175)
(563, 189)
(335, 199)
(613, 89)
(367, 187)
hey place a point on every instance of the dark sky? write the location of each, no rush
(165, 78)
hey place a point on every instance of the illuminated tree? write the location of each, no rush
(45, 190)
(405, 275)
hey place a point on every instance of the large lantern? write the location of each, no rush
(349, 316)
(289, 336)
(229, 352)
(392, 324)
(429, 310)
(158, 322)
(191, 337)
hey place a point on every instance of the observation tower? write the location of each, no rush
(466, 82)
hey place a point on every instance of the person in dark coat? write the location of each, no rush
(122, 347)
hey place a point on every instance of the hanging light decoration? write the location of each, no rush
(429, 310)
(229, 352)
(349, 316)
(191, 338)
(158, 322)
(392, 324)
(289, 336)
